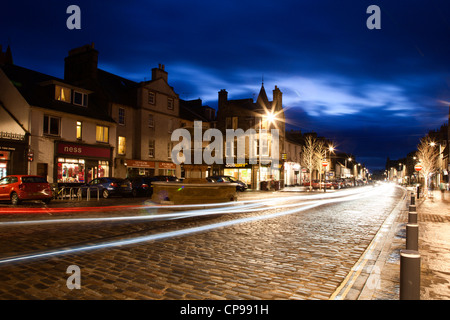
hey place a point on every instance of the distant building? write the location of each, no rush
(68, 138)
(246, 114)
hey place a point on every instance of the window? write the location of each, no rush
(63, 94)
(169, 149)
(79, 131)
(122, 145)
(170, 103)
(235, 123)
(170, 126)
(151, 148)
(80, 98)
(151, 121)
(51, 125)
(151, 97)
(228, 123)
(102, 134)
(122, 116)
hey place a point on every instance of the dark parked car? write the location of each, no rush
(107, 187)
(142, 186)
(17, 188)
(242, 186)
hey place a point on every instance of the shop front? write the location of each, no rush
(167, 169)
(136, 168)
(241, 172)
(79, 163)
(292, 173)
(13, 154)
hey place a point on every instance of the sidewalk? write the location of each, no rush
(380, 279)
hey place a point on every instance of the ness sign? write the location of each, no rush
(213, 153)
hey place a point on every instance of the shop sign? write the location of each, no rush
(167, 165)
(236, 165)
(140, 163)
(12, 136)
(4, 155)
(82, 150)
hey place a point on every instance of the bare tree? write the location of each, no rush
(313, 152)
(428, 156)
(308, 156)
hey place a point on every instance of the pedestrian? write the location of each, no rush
(442, 187)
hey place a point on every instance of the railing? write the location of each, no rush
(74, 193)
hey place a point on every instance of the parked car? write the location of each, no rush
(306, 183)
(315, 184)
(142, 186)
(337, 184)
(241, 186)
(166, 178)
(17, 188)
(107, 187)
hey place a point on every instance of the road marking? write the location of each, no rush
(357, 268)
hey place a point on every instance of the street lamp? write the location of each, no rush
(331, 149)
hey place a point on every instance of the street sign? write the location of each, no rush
(418, 167)
(325, 164)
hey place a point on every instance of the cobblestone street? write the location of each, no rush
(297, 256)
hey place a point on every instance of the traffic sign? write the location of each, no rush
(324, 163)
(418, 167)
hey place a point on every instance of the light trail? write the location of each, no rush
(237, 207)
(178, 233)
(46, 210)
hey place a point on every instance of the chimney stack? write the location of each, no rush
(81, 63)
(158, 73)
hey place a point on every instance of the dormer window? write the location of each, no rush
(79, 98)
(63, 94)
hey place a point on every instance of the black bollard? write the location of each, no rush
(409, 275)
(412, 236)
(412, 217)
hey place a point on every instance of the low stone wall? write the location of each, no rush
(193, 193)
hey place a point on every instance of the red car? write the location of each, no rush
(24, 187)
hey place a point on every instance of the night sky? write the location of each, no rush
(374, 92)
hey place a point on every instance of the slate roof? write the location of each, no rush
(29, 84)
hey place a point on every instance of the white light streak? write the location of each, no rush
(165, 235)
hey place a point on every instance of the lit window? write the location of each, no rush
(79, 130)
(51, 125)
(235, 123)
(122, 145)
(80, 98)
(62, 94)
(121, 116)
(102, 134)
(170, 103)
(151, 148)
